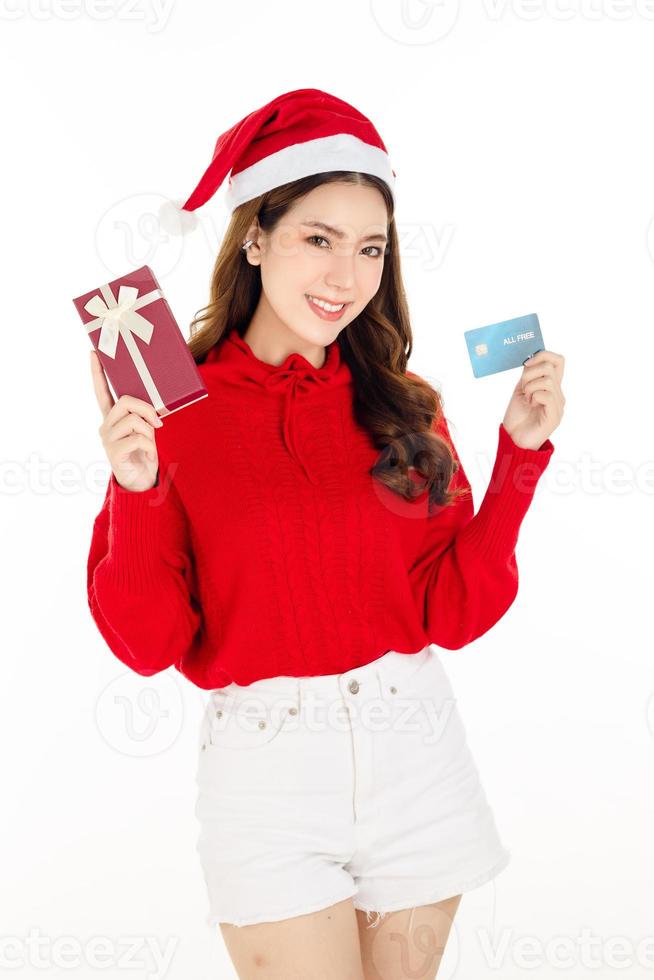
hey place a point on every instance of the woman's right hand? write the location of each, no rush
(127, 433)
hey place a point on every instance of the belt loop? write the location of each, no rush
(383, 681)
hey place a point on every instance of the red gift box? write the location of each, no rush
(139, 342)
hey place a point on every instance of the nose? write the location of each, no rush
(340, 274)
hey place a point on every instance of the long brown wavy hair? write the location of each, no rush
(400, 410)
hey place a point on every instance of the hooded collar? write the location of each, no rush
(295, 379)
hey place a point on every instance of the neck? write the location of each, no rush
(272, 341)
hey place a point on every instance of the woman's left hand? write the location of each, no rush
(537, 403)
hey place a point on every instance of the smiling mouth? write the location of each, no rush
(325, 304)
(323, 313)
(331, 303)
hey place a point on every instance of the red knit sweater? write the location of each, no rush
(268, 549)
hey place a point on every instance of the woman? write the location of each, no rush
(296, 542)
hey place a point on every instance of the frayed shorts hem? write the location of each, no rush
(215, 919)
(455, 887)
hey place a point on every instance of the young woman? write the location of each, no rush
(296, 543)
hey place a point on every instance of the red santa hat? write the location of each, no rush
(297, 134)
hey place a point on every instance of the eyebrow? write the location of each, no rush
(341, 234)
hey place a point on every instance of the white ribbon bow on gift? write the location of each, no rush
(118, 317)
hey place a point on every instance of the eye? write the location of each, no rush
(319, 238)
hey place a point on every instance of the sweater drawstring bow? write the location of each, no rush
(294, 379)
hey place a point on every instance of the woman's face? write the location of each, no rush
(303, 258)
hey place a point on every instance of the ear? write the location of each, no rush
(253, 251)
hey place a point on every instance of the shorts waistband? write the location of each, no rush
(386, 673)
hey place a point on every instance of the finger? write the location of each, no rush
(551, 389)
(547, 400)
(128, 444)
(102, 392)
(546, 369)
(560, 399)
(537, 369)
(547, 356)
(537, 376)
(126, 425)
(129, 403)
(545, 382)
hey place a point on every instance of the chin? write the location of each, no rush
(320, 334)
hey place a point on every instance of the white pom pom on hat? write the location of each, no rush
(175, 220)
(299, 133)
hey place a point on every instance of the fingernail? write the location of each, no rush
(159, 422)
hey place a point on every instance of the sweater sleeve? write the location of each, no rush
(465, 576)
(138, 571)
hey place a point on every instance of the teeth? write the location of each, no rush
(326, 306)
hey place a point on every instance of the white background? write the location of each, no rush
(521, 135)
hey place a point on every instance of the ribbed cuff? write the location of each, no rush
(493, 531)
(134, 540)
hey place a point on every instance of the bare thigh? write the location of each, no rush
(409, 943)
(321, 945)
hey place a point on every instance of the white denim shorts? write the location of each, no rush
(357, 785)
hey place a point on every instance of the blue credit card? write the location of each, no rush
(504, 345)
